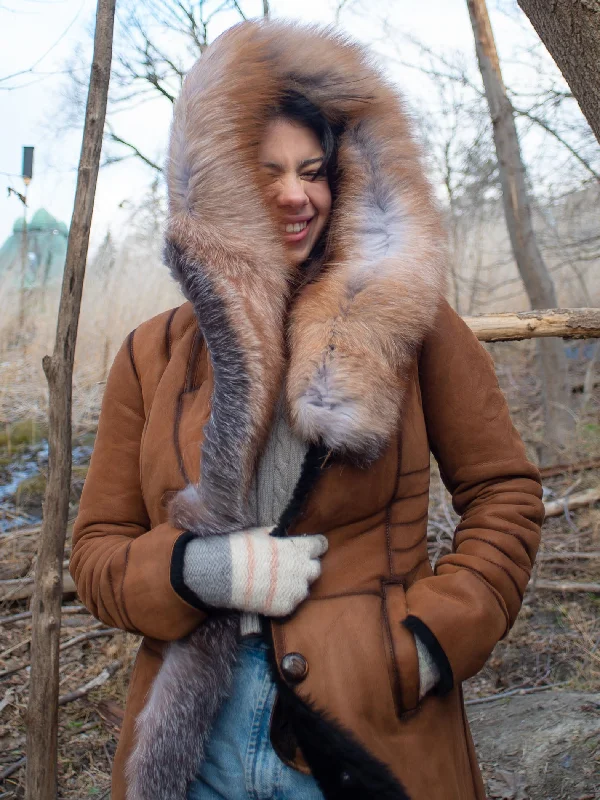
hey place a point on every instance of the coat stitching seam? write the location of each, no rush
(132, 357)
(179, 412)
(125, 613)
(525, 569)
(410, 547)
(168, 342)
(397, 689)
(185, 329)
(499, 566)
(493, 591)
(411, 521)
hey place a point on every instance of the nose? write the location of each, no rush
(290, 193)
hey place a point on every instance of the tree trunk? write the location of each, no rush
(571, 33)
(558, 422)
(42, 710)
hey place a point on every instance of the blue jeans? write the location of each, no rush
(240, 762)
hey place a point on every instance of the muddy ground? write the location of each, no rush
(542, 746)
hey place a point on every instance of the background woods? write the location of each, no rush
(505, 96)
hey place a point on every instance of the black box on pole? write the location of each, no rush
(27, 164)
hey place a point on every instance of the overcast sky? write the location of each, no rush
(31, 28)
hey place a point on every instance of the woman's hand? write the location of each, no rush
(254, 571)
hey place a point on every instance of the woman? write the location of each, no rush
(259, 487)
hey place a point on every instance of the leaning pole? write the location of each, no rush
(41, 781)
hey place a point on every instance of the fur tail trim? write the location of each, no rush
(173, 729)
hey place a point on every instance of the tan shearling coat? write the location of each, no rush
(379, 373)
(362, 661)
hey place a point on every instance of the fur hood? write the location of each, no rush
(343, 346)
(351, 332)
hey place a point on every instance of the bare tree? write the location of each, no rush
(453, 116)
(156, 42)
(536, 277)
(571, 32)
(42, 710)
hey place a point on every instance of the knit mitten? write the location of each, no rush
(253, 571)
(429, 673)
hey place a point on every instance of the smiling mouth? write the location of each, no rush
(294, 232)
(296, 227)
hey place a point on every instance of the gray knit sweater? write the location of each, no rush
(276, 477)
(274, 482)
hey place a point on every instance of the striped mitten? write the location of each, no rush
(253, 571)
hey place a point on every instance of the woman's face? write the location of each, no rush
(291, 158)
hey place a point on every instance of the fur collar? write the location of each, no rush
(353, 331)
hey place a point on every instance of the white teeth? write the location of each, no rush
(295, 227)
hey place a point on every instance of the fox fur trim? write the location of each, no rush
(173, 729)
(345, 345)
(354, 329)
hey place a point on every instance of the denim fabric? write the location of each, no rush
(240, 762)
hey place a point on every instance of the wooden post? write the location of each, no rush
(42, 710)
(27, 175)
(24, 264)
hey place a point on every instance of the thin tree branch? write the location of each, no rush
(544, 125)
(31, 69)
(118, 140)
(236, 5)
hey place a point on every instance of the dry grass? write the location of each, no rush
(113, 304)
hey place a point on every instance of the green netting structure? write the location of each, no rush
(46, 249)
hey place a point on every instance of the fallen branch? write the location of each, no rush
(567, 556)
(9, 696)
(567, 586)
(13, 768)
(22, 588)
(560, 469)
(82, 637)
(93, 634)
(569, 323)
(89, 726)
(554, 508)
(99, 680)
(27, 614)
(29, 531)
(512, 693)
(11, 670)
(14, 647)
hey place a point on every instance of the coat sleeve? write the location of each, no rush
(121, 566)
(476, 592)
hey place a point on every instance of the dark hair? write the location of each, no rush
(295, 107)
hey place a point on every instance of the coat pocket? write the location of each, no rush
(401, 651)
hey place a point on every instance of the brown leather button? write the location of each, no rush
(294, 667)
